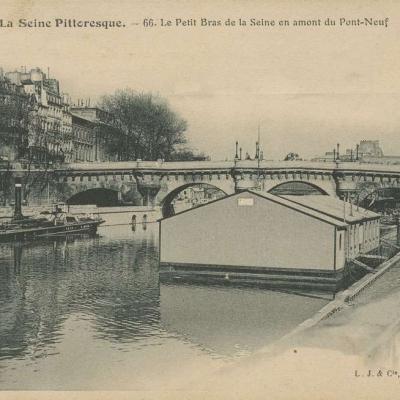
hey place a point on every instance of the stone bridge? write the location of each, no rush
(145, 182)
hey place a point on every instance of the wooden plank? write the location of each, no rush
(373, 256)
(363, 266)
(390, 244)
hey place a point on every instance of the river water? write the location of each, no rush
(90, 313)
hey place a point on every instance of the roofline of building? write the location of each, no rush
(90, 108)
(371, 218)
(339, 224)
(83, 119)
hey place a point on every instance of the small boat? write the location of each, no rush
(48, 224)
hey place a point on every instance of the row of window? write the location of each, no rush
(361, 236)
(83, 134)
(84, 153)
(54, 99)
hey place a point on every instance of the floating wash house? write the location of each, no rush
(289, 241)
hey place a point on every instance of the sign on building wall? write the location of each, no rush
(245, 202)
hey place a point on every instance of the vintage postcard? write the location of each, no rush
(199, 199)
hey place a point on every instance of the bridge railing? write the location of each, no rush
(179, 165)
(245, 164)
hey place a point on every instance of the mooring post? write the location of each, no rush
(18, 198)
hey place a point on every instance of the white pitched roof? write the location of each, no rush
(334, 207)
(300, 208)
(323, 207)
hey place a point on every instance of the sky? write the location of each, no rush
(307, 88)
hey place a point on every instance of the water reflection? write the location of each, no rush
(101, 296)
(114, 282)
(230, 320)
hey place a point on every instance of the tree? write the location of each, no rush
(292, 157)
(153, 130)
(186, 154)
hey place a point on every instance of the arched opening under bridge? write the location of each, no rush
(188, 196)
(382, 200)
(100, 197)
(297, 188)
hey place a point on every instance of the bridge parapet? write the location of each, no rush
(344, 167)
(155, 180)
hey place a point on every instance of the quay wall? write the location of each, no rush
(149, 214)
(340, 301)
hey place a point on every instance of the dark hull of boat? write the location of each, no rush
(20, 234)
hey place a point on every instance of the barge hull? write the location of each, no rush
(50, 231)
(321, 280)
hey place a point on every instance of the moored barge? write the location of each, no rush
(48, 224)
(55, 225)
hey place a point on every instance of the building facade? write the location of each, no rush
(50, 130)
(108, 138)
(84, 139)
(50, 122)
(370, 148)
(14, 105)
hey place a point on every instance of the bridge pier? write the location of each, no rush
(148, 191)
(347, 186)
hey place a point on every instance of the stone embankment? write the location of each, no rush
(152, 213)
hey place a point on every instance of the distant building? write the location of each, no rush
(389, 160)
(14, 105)
(108, 138)
(50, 125)
(38, 124)
(370, 148)
(253, 236)
(84, 139)
(367, 150)
(329, 156)
(195, 196)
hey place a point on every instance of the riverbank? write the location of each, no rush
(352, 342)
(146, 214)
(343, 298)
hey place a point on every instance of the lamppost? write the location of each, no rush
(18, 175)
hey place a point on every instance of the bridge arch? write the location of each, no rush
(379, 199)
(297, 188)
(167, 207)
(101, 197)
